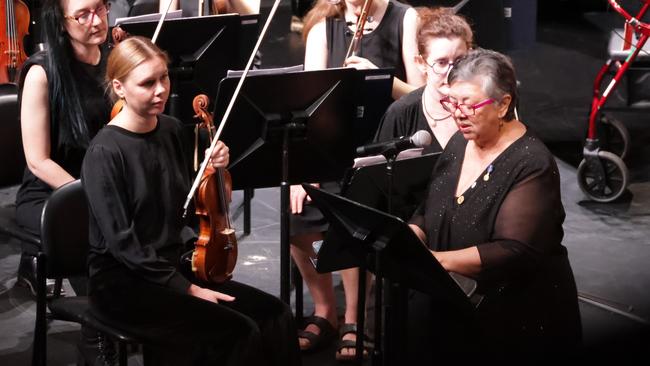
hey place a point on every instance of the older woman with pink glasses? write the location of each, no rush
(494, 214)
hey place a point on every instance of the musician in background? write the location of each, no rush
(389, 41)
(442, 38)
(136, 178)
(62, 106)
(494, 213)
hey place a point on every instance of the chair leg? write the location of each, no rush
(39, 350)
(248, 196)
(122, 354)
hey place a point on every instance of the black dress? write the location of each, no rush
(514, 215)
(33, 192)
(136, 185)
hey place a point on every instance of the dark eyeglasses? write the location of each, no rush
(88, 16)
(440, 67)
(468, 110)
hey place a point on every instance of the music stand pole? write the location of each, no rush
(379, 356)
(284, 219)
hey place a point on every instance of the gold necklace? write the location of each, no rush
(424, 107)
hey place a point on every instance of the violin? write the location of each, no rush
(215, 251)
(14, 15)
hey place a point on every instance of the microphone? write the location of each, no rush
(421, 138)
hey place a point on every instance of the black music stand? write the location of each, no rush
(402, 256)
(289, 128)
(201, 50)
(375, 98)
(374, 186)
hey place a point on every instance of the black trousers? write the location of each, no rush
(255, 329)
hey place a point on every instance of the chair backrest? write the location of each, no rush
(64, 231)
(12, 159)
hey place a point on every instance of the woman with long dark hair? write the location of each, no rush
(62, 106)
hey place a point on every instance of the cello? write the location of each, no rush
(215, 250)
(15, 16)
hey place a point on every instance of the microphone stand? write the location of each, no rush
(379, 354)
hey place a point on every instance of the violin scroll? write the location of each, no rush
(118, 35)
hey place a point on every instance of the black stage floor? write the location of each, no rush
(609, 244)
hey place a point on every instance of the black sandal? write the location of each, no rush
(348, 343)
(317, 341)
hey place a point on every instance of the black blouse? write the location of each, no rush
(136, 185)
(513, 214)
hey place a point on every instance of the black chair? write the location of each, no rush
(12, 159)
(64, 238)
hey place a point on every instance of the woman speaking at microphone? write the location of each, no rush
(136, 179)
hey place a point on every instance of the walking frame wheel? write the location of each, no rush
(602, 176)
(617, 138)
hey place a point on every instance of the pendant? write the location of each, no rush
(460, 199)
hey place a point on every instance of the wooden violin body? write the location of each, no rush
(14, 15)
(215, 251)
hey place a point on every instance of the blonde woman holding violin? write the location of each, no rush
(135, 177)
(389, 40)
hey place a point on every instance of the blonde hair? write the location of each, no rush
(321, 10)
(441, 23)
(127, 55)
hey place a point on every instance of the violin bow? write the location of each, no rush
(217, 134)
(160, 22)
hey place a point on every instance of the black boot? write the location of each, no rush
(96, 349)
(27, 276)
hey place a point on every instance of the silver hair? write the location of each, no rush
(495, 72)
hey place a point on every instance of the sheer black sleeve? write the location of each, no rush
(528, 226)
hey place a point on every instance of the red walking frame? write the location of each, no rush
(602, 175)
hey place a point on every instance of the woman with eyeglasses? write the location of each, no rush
(442, 38)
(494, 214)
(62, 107)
